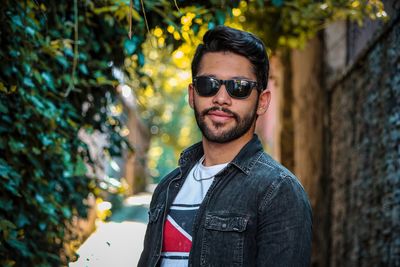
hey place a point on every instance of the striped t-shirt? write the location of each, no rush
(177, 240)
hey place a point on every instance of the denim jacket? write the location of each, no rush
(256, 213)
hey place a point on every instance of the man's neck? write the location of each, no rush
(217, 153)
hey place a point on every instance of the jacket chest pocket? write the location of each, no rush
(223, 240)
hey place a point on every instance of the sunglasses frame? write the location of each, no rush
(252, 84)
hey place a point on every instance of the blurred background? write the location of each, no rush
(94, 112)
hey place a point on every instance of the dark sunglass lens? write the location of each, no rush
(206, 86)
(239, 88)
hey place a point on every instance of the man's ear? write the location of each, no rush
(263, 102)
(191, 95)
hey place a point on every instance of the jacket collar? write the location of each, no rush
(248, 155)
(244, 160)
(191, 154)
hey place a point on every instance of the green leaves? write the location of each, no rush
(80, 167)
(131, 45)
(277, 3)
(291, 24)
(43, 162)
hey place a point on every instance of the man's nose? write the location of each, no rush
(222, 97)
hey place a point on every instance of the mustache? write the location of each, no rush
(206, 111)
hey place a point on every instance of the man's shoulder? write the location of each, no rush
(269, 172)
(275, 180)
(266, 164)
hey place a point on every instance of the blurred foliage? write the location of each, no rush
(291, 24)
(162, 102)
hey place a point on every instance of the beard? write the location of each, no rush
(242, 126)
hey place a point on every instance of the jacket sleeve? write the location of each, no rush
(285, 225)
(151, 243)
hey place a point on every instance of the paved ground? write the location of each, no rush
(118, 242)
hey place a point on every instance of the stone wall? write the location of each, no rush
(365, 158)
(344, 140)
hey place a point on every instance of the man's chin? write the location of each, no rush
(220, 137)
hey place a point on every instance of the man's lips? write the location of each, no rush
(219, 113)
(219, 116)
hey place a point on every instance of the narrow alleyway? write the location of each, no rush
(119, 241)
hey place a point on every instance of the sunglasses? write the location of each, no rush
(209, 86)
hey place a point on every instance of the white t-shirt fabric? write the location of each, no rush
(177, 236)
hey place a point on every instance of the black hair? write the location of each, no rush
(226, 39)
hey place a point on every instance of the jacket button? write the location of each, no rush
(224, 225)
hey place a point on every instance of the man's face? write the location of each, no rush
(222, 118)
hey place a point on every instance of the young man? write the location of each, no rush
(228, 203)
